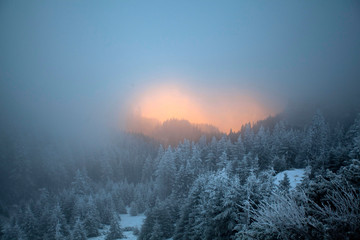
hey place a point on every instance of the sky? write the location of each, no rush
(70, 66)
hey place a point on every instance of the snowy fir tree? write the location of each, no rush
(284, 184)
(79, 232)
(115, 231)
(220, 187)
(133, 209)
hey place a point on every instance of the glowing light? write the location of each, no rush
(223, 109)
(168, 102)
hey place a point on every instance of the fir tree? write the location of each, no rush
(115, 230)
(133, 209)
(157, 233)
(57, 224)
(58, 232)
(81, 183)
(91, 219)
(29, 224)
(284, 184)
(279, 164)
(165, 174)
(79, 232)
(13, 231)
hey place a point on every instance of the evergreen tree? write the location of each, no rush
(13, 231)
(352, 136)
(284, 184)
(165, 174)
(317, 135)
(279, 164)
(240, 148)
(115, 230)
(188, 221)
(147, 170)
(262, 148)
(161, 214)
(183, 181)
(106, 170)
(195, 162)
(355, 148)
(223, 159)
(58, 232)
(105, 206)
(57, 224)
(248, 138)
(133, 209)
(210, 161)
(142, 196)
(117, 197)
(221, 146)
(81, 183)
(157, 233)
(29, 224)
(147, 227)
(91, 219)
(211, 210)
(79, 232)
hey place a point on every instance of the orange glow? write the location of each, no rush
(170, 102)
(223, 109)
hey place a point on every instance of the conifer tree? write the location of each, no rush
(79, 232)
(165, 174)
(91, 219)
(29, 224)
(81, 183)
(284, 184)
(133, 209)
(157, 233)
(57, 224)
(13, 231)
(115, 230)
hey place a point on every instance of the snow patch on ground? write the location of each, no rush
(296, 176)
(103, 233)
(126, 221)
(130, 236)
(131, 221)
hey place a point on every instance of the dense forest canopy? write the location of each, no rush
(179, 120)
(221, 188)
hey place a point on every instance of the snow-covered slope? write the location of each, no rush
(295, 176)
(131, 221)
(126, 221)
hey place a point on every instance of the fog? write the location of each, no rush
(179, 119)
(75, 68)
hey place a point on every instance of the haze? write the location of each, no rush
(76, 68)
(224, 108)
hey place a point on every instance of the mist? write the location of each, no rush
(179, 119)
(75, 68)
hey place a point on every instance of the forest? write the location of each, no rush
(210, 188)
(179, 120)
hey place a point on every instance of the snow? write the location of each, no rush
(126, 221)
(130, 236)
(296, 176)
(131, 221)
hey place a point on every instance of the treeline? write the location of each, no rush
(30, 162)
(56, 191)
(225, 189)
(77, 212)
(218, 188)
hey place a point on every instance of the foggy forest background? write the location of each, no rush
(191, 117)
(219, 187)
